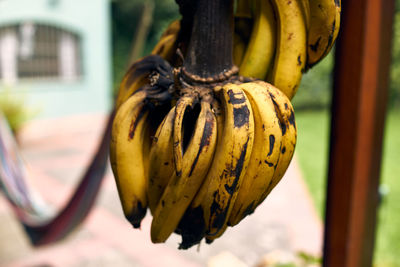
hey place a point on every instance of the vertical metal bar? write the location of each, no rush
(358, 114)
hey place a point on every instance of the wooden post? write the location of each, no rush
(358, 114)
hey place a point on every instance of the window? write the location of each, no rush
(36, 51)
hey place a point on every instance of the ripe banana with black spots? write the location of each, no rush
(274, 143)
(290, 55)
(161, 160)
(260, 50)
(213, 203)
(167, 46)
(305, 7)
(140, 74)
(243, 29)
(324, 28)
(263, 161)
(231, 160)
(143, 99)
(184, 103)
(288, 127)
(136, 77)
(182, 188)
(130, 141)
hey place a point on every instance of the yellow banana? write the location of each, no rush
(182, 189)
(290, 56)
(239, 48)
(139, 75)
(184, 103)
(305, 7)
(270, 107)
(261, 47)
(265, 155)
(191, 227)
(161, 160)
(166, 47)
(243, 26)
(285, 112)
(212, 205)
(129, 141)
(324, 28)
(173, 28)
(134, 79)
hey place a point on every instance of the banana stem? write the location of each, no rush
(209, 56)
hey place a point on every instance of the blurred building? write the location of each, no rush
(56, 53)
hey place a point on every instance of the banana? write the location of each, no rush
(173, 28)
(243, 27)
(166, 47)
(129, 141)
(337, 24)
(184, 103)
(305, 7)
(212, 205)
(239, 48)
(265, 155)
(139, 75)
(261, 48)
(285, 112)
(191, 227)
(161, 160)
(290, 56)
(324, 28)
(134, 79)
(243, 9)
(181, 189)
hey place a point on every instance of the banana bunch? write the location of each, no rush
(201, 153)
(275, 40)
(200, 156)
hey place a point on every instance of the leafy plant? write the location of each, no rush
(15, 109)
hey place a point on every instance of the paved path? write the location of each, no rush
(57, 152)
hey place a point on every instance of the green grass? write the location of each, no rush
(388, 234)
(312, 153)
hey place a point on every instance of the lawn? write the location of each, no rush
(312, 153)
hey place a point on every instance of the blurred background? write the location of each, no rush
(61, 62)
